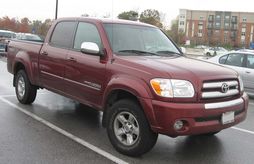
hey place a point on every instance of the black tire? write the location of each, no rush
(146, 138)
(30, 91)
(208, 54)
(215, 53)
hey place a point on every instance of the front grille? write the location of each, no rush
(220, 89)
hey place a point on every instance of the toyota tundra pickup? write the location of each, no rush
(135, 74)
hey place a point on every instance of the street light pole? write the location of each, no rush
(56, 9)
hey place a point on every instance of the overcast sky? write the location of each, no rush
(42, 9)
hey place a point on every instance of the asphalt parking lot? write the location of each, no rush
(55, 129)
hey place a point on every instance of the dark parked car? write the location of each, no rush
(5, 37)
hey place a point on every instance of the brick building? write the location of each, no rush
(217, 27)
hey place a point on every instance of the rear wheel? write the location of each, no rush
(25, 91)
(128, 129)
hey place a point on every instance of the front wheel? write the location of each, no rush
(25, 91)
(128, 129)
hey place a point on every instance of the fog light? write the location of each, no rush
(178, 125)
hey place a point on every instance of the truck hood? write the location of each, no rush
(180, 67)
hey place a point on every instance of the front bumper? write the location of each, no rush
(198, 118)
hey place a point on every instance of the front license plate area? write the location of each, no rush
(228, 117)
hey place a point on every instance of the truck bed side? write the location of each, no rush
(24, 54)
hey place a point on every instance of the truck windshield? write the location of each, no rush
(139, 40)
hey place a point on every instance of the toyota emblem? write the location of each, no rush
(224, 88)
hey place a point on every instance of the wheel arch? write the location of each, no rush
(128, 89)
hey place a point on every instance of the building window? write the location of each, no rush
(200, 23)
(244, 19)
(217, 24)
(244, 25)
(225, 40)
(234, 19)
(243, 29)
(182, 23)
(210, 25)
(243, 34)
(210, 18)
(200, 27)
(226, 25)
(201, 18)
(182, 16)
(227, 17)
(217, 16)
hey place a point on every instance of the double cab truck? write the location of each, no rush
(135, 74)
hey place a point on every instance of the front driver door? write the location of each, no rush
(85, 73)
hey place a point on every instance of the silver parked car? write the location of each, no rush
(243, 63)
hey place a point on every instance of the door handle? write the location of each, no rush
(72, 59)
(44, 53)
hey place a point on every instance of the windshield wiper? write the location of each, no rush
(167, 52)
(139, 52)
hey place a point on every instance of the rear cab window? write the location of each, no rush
(63, 34)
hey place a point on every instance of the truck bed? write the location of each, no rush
(20, 50)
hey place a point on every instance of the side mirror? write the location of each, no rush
(90, 48)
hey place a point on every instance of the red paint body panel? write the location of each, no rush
(90, 79)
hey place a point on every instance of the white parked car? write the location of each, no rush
(213, 51)
(243, 63)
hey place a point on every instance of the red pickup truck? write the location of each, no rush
(135, 74)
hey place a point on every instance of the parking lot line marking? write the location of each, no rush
(65, 133)
(242, 130)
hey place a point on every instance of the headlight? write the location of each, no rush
(240, 83)
(172, 87)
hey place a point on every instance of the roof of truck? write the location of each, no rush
(106, 20)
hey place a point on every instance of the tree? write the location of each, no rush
(24, 25)
(45, 27)
(129, 15)
(174, 34)
(151, 16)
(8, 24)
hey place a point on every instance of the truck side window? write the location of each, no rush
(86, 32)
(63, 34)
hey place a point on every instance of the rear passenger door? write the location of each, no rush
(249, 73)
(85, 73)
(53, 55)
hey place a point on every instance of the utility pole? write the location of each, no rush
(56, 9)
